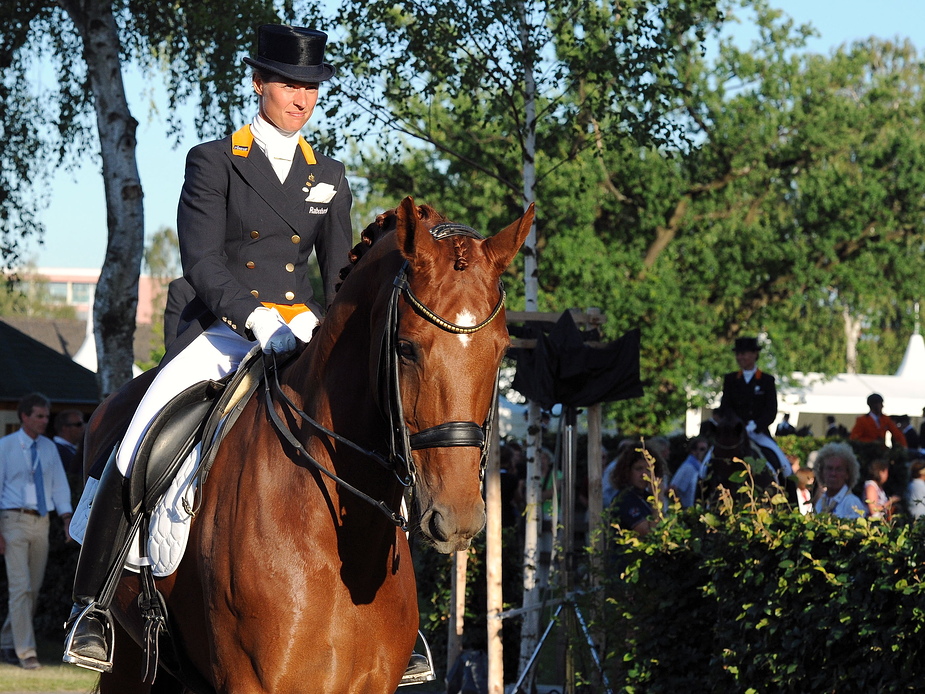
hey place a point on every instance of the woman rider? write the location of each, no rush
(253, 207)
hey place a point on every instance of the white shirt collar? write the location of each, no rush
(278, 145)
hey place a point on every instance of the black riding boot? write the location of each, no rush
(90, 631)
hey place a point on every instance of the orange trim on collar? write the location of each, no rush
(243, 139)
(742, 374)
(307, 151)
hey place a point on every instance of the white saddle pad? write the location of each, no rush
(170, 523)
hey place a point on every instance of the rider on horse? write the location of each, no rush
(751, 394)
(253, 208)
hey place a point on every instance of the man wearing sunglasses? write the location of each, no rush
(69, 430)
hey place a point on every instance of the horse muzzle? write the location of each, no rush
(452, 530)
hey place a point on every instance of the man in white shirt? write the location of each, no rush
(32, 483)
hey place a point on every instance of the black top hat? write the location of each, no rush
(746, 344)
(292, 52)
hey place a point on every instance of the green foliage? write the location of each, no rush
(196, 47)
(28, 294)
(760, 598)
(789, 200)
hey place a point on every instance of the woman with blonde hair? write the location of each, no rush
(879, 505)
(838, 473)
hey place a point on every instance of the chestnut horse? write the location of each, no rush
(295, 580)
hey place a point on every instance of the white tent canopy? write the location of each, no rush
(903, 392)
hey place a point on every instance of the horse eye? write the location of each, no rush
(406, 351)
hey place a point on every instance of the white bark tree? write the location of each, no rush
(196, 45)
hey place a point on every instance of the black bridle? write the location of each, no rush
(399, 459)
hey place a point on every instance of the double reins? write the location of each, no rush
(399, 460)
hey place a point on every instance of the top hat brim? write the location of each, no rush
(298, 73)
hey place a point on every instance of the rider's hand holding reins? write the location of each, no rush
(271, 331)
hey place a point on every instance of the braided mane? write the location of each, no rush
(384, 223)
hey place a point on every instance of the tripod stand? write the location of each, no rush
(574, 620)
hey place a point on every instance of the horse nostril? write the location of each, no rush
(435, 526)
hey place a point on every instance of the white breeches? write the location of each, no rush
(764, 440)
(212, 355)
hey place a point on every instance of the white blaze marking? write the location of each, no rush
(467, 320)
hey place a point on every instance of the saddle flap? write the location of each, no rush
(167, 442)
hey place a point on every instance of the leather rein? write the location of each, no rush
(399, 459)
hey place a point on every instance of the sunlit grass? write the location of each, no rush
(54, 676)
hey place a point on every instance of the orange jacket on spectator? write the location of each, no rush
(868, 430)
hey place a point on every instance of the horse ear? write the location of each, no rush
(503, 246)
(414, 246)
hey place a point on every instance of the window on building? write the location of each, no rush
(81, 292)
(57, 292)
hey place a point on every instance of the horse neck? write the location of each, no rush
(333, 379)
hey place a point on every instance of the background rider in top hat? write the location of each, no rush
(752, 395)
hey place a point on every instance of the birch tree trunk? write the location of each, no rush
(529, 634)
(852, 335)
(116, 297)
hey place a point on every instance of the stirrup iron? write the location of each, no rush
(427, 675)
(70, 656)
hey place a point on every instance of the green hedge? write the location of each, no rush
(759, 598)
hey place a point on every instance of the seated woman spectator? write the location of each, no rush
(838, 473)
(879, 505)
(916, 498)
(638, 477)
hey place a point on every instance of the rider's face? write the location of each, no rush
(286, 104)
(746, 360)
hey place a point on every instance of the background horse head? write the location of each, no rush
(729, 458)
(298, 575)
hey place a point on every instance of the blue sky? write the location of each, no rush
(76, 218)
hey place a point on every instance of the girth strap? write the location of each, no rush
(449, 434)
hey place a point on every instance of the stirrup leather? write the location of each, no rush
(71, 656)
(427, 675)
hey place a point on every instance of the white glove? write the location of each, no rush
(751, 426)
(302, 325)
(270, 330)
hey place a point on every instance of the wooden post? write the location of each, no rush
(493, 563)
(595, 482)
(458, 615)
(530, 626)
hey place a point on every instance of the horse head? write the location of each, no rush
(731, 437)
(450, 338)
